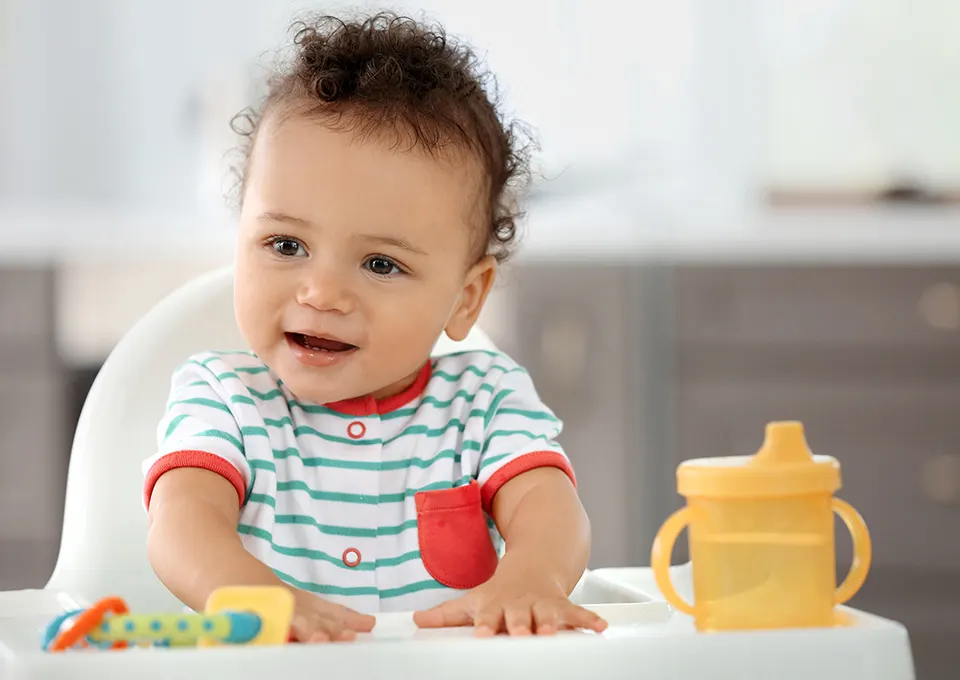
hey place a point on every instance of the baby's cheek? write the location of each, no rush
(255, 314)
(245, 306)
(409, 332)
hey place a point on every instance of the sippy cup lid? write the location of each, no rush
(784, 466)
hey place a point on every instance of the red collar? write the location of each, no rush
(368, 406)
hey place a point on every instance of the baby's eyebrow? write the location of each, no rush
(394, 241)
(281, 217)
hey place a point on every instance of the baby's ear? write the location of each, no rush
(476, 286)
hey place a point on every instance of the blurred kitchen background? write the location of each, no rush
(750, 211)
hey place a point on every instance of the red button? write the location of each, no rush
(351, 557)
(356, 430)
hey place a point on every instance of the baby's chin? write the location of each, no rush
(306, 390)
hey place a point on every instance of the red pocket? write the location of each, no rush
(455, 543)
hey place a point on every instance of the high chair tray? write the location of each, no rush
(645, 639)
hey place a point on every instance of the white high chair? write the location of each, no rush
(103, 552)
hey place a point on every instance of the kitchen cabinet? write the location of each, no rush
(869, 359)
(652, 364)
(648, 364)
(597, 341)
(34, 439)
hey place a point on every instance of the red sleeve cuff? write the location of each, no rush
(525, 463)
(194, 459)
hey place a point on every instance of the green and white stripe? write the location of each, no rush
(314, 491)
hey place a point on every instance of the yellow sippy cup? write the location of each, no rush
(761, 537)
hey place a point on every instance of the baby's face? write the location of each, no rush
(352, 258)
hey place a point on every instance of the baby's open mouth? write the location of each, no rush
(318, 344)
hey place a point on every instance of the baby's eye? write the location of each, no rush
(287, 247)
(382, 266)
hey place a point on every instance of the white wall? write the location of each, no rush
(127, 104)
(109, 105)
(861, 92)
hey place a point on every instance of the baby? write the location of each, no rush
(338, 458)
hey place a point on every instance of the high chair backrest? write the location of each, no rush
(103, 543)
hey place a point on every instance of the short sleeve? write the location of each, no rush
(198, 430)
(519, 435)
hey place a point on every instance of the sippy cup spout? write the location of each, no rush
(783, 467)
(784, 442)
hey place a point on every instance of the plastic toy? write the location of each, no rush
(761, 538)
(233, 616)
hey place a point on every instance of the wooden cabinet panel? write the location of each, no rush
(798, 306)
(593, 337)
(26, 304)
(33, 457)
(898, 445)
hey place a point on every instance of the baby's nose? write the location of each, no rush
(326, 293)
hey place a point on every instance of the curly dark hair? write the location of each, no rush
(388, 73)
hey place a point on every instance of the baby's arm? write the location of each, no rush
(194, 548)
(528, 488)
(194, 489)
(544, 526)
(547, 537)
(192, 540)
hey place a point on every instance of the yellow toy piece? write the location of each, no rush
(273, 604)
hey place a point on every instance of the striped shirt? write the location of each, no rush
(380, 505)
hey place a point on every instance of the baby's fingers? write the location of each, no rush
(449, 614)
(355, 621)
(321, 629)
(305, 630)
(517, 617)
(489, 621)
(574, 616)
(546, 617)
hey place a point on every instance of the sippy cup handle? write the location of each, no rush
(660, 558)
(862, 551)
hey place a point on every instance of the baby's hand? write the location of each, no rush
(513, 604)
(316, 620)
